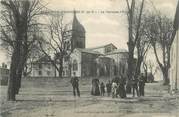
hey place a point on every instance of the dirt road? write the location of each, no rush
(53, 98)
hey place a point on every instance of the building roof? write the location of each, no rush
(44, 59)
(102, 56)
(117, 51)
(102, 46)
(88, 51)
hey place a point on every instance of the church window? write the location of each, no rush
(75, 65)
(68, 45)
(49, 67)
(40, 73)
(65, 45)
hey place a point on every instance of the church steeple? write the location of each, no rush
(74, 15)
(78, 33)
(76, 25)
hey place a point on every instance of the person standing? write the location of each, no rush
(75, 85)
(141, 85)
(122, 83)
(114, 89)
(95, 87)
(135, 87)
(102, 87)
(108, 87)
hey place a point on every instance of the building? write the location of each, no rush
(4, 74)
(74, 38)
(84, 62)
(120, 57)
(174, 70)
(104, 49)
(43, 68)
(100, 61)
(105, 60)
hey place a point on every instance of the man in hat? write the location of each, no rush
(75, 85)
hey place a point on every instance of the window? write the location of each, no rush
(65, 45)
(48, 73)
(49, 67)
(40, 66)
(68, 45)
(40, 73)
(107, 49)
(75, 65)
(66, 59)
(63, 73)
(79, 44)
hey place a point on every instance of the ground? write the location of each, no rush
(53, 98)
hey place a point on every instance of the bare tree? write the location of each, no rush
(134, 23)
(142, 45)
(18, 30)
(145, 67)
(57, 30)
(33, 56)
(161, 33)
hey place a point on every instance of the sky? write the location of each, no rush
(108, 22)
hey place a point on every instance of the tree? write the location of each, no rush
(57, 30)
(18, 30)
(142, 45)
(33, 55)
(145, 67)
(161, 33)
(134, 24)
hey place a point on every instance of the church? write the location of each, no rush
(103, 61)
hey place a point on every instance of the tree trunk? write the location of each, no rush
(23, 59)
(61, 68)
(139, 62)
(130, 70)
(165, 76)
(13, 74)
(11, 81)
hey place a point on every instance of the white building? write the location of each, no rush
(4, 74)
(43, 68)
(174, 70)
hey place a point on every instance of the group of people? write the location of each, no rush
(116, 87)
(138, 85)
(97, 88)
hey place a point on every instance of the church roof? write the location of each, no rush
(103, 56)
(117, 51)
(102, 46)
(76, 25)
(88, 51)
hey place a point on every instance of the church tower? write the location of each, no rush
(78, 34)
(74, 37)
